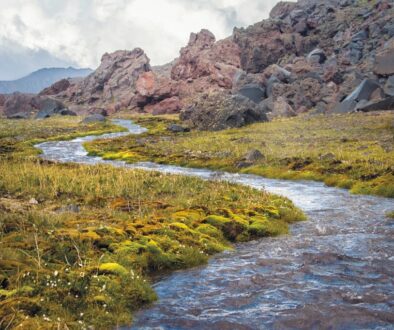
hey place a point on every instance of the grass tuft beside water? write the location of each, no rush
(79, 244)
(352, 151)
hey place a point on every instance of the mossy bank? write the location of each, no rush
(352, 151)
(79, 244)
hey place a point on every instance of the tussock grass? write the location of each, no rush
(78, 244)
(353, 151)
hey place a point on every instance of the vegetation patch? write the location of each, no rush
(352, 151)
(79, 244)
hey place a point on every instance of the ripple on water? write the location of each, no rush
(334, 272)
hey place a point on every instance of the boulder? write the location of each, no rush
(253, 92)
(253, 156)
(56, 88)
(167, 106)
(49, 107)
(98, 110)
(389, 86)
(278, 72)
(95, 118)
(219, 111)
(362, 93)
(282, 109)
(317, 56)
(177, 128)
(384, 61)
(19, 115)
(19, 103)
(67, 112)
(112, 85)
(385, 104)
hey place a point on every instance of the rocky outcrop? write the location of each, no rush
(20, 105)
(56, 88)
(111, 85)
(206, 64)
(309, 55)
(221, 110)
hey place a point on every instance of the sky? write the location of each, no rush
(61, 33)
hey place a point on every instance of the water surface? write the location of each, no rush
(335, 271)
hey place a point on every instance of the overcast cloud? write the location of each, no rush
(38, 33)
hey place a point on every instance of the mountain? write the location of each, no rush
(40, 79)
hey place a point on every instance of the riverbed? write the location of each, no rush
(334, 271)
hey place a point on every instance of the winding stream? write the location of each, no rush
(335, 271)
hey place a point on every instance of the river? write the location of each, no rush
(335, 271)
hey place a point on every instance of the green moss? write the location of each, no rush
(131, 225)
(352, 151)
(263, 228)
(112, 268)
(390, 214)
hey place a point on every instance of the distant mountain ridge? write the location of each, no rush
(40, 79)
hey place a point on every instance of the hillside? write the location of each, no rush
(40, 79)
(325, 56)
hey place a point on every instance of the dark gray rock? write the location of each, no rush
(270, 84)
(389, 29)
(389, 86)
(220, 110)
(94, 119)
(362, 92)
(386, 104)
(317, 56)
(97, 110)
(253, 92)
(67, 112)
(267, 105)
(19, 115)
(360, 36)
(384, 61)
(253, 156)
(177, 128)
(49, 107)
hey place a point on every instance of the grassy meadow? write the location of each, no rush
(79, 244)
(352, 151)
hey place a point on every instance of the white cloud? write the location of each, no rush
(80, 31)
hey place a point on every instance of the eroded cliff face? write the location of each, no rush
(309, 55)
(111, 86)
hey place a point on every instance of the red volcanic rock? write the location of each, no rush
(112, 85)
(263, 44)
(56, 88)
(146, 84)
(205, 64)
(19, 103)
(167, 106)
